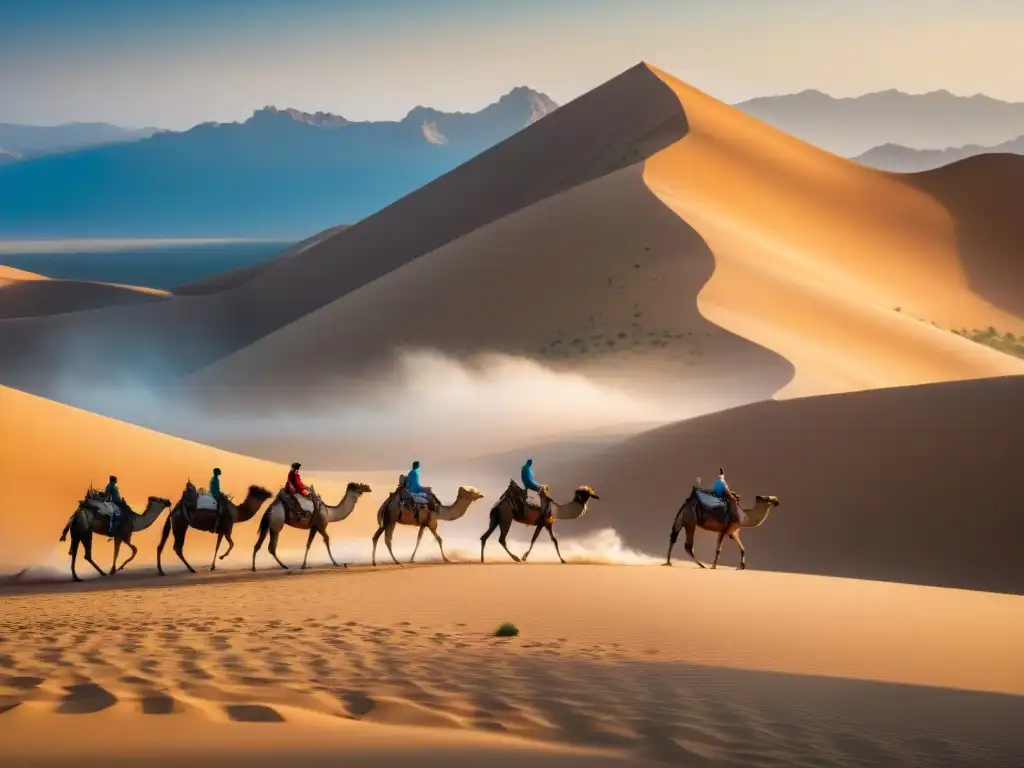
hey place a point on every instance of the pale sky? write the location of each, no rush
(175, 63)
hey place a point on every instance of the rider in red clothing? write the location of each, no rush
(295, 486)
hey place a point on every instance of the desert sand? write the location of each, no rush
(697, 668)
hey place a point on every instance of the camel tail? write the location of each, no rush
(265, 522)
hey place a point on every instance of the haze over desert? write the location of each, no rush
(703, 332)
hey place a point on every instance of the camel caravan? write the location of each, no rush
(296, 505)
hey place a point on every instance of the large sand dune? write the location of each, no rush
(26, 294)
(920, 484)
(50, 453)
(615, 665)
(856, 278)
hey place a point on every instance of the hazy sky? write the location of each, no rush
(173, 63)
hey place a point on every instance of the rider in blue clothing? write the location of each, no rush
(420, 493)
(530, 482)
(721, 488)
(216, 492)
(115, 496)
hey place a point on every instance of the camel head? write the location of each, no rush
(261, 494)
(469, 492)
(584, 494)
(357, 488)
(164, 503)
(773, 500)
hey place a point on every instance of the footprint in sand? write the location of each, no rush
(159, 704)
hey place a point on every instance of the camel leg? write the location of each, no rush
(309, 543)
(160, 547)
(179, 548)
(117, 550)
(135, 551)
(231, 544)
(272, 548)
(718, 548)
(483, 539)
(735, 536)
(389, 533)
(551, 533)
(502, 534)
(216, 549)
(327, 543)
(373, 558)
(264, 527)
(419, 537)
(672, 539)
(87, 544)
(440, 544)
(688, 546)
(536, 533)
(74, 556)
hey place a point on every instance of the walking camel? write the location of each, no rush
(93, 516)
(513, 506)
(315, 520)
(396, 511)
(199, 512)
(703, 510)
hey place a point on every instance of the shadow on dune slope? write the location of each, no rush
(919, 484)
(984, 195)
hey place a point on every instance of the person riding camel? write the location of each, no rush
(531, 484)
(723, 491)
(421, 494)
(114, 495)
(215, 491)
(294, 484)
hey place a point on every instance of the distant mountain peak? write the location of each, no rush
(271, 114)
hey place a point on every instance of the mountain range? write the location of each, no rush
(895, 157)
(852, 126)
(282, 172)
(19, 142)
(287, 173)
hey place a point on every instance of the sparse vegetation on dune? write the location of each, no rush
(508, 629)
(990, 337)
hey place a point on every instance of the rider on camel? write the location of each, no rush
(294, 485)
(421, 494)
(114, 495)
(724, 492)
(531, 484)
(215, 491)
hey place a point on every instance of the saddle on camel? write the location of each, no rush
(297, 498)
(719, 502)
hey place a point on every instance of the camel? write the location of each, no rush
(507, 511)
(278, 516)
(396, 511)
(714, 520)
(92, 516)
(187, 514)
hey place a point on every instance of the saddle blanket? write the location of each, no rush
(709, 501)
(104, 507)
(206, 502)
(305, 503)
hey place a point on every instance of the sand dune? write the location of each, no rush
(838, 268)
(51, 453)
(616, 125)
(26, 298)
(10, 275)
(920, 484)
(854, 277)
(753, 669)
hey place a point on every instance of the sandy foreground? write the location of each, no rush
(615, 665)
